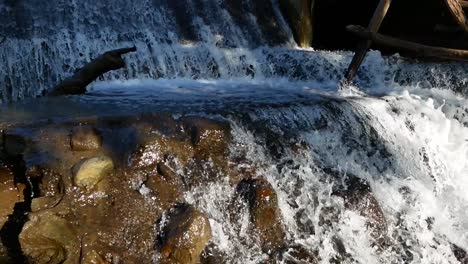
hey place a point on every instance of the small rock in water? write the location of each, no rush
(185, 236)
(93, 257)
(85, 138)
(166, 186)
(49, 183)
(89, 172)
(299, 255)
(210, 138)
(10, 193)
(264, 212)
(359, 197)
(47, 238)
(460, 254)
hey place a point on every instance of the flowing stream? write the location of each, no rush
(403, 127)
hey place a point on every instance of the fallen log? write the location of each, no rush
(76, 84)
(413, 47)
(361, 51)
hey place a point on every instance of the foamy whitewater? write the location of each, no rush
(403, 127)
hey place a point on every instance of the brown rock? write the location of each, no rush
(166, 186)
(85, 138)
(212, 255)
(185, 236)
(47, 238)
(264, 212)
(92, 257)
(299, 255)
(4, 259)
(359, 197)
(10, 193)
(49, 183)
(89, 172)
(209, 137)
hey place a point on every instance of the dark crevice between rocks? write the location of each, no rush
(9, 233)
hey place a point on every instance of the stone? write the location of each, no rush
(358, 197)
(299, 255)
(299, 14)
(48, 238)
(10, 193)
(44, 203)
(185, 236)
(47, 182)
(209, 137)
(264, 212)
(166, 186)
(92, 257)
(89, 172)
(460, 254)
(85, 138)
(212, 255)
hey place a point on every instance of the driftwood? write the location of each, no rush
(456, 11)
(76, 84)
(415, 48)
(361, 51)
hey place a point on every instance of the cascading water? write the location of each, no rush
(405, 132)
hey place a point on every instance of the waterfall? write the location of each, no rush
(403, 128)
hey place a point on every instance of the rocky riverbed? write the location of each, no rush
(112, 190)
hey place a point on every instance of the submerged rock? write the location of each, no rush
(358, 197)
(299, 255)
(264, 212)
(93, 257)
(460, 254)
(48, 238)
(10, 193)
(166, 185)
(209, 137)
(85, 138)
(89, 172)
(47, 182)
(185, 235)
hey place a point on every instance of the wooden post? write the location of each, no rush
(361, 50)
(455, 9)
(415, 48)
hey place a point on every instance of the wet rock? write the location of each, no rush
(89, 172)
(212, 255)
(44, 203)
(14, 143)
(155, 151)
(460, 254)
(299, 15)
(264, 212)
(4, 259)
(10, 193)
(209, 137)
(85, 138)
(185, 235)
(92, 257)
(46, 182)
(359, 197)
(299, 255)
(166, 186)
(47, 238)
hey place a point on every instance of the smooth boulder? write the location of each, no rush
(264, 212)
(48, 238)
(89, 172)
(185, 236)
(85, 138)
